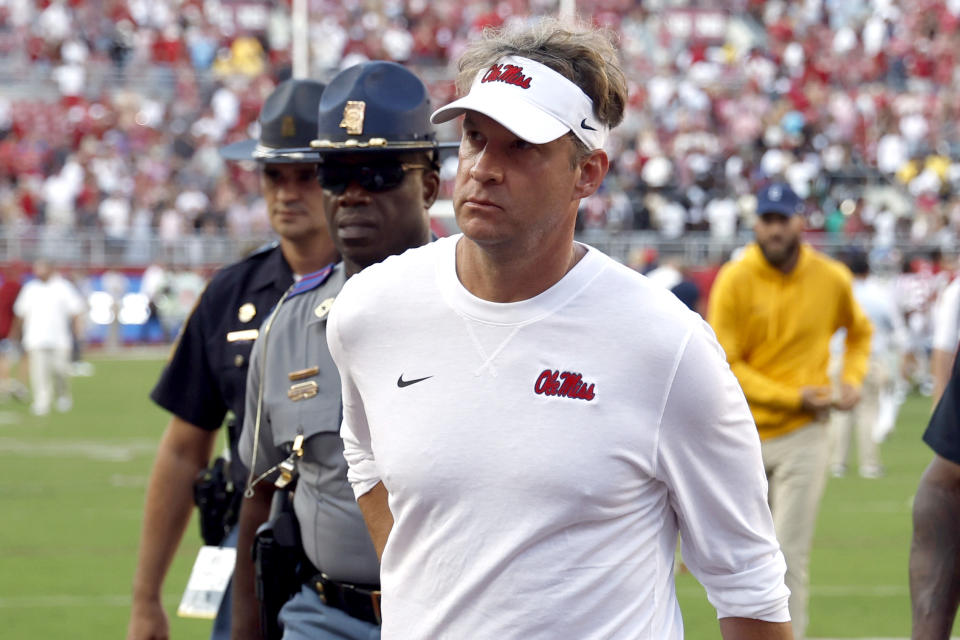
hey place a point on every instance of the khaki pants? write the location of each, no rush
(49, 378)
(796, 466)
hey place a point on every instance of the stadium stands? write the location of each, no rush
(111, 114)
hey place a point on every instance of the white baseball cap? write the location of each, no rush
(532, 100)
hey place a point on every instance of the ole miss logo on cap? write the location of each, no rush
(508, 73)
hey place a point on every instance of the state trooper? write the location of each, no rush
(204, 380)
(380, 175)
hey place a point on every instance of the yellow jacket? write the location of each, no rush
(776, 330)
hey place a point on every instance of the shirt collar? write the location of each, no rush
(275, 272)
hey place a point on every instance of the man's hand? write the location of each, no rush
(817, 400)
(184, 450)
(848, 398)
(148, 621)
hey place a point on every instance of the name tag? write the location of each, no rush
(243, 336)
(303, 373)
(208, 582)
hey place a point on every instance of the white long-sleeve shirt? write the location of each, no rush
(47, 307)
(946, 318)
(541, 456)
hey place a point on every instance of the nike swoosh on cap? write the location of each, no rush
(584, 125)
(406, 383)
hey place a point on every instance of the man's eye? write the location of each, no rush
(271, 175)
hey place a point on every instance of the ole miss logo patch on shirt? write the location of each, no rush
(508, 73)
(563, 385)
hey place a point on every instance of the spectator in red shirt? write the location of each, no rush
(10, 351)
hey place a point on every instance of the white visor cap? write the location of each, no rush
(532, 100)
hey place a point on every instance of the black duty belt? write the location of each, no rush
(361, 601)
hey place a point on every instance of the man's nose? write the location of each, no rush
(354, 195)
(487, 166)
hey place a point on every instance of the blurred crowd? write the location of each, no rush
(113, 110)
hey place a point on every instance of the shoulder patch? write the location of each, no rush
(311, 281)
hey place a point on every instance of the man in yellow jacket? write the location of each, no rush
(774, 311)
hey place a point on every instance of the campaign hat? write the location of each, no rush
(288, 121)
(778, 197)
(375, 107)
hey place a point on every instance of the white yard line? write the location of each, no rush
(91, 449)
(43, 602)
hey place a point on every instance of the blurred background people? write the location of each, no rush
(775, 310)
(873, 417)
(50, 311)
(11, 350)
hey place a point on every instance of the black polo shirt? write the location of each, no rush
(943, 432)
(206, 375)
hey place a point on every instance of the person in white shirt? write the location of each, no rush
(946, 337)
(874, 416)
(529, 424)
(50, 309)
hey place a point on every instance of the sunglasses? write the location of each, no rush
(373, 177)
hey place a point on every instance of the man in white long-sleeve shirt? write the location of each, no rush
(50, 309)
(529, 424)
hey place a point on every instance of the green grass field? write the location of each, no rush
(71, 494)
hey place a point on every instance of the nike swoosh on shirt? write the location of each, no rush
(584, 125)
(406, 383)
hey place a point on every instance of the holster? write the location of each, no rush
(279, 561)
(217, 491)
(218, 500)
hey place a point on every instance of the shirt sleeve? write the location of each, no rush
(362, 471)
(188, 386)
(22, 303)
(724, 319)
(859, 333)
(75, 302)
(945, 318)
(709, 457)
(943, 431)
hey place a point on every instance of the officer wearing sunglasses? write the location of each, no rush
(379, 173)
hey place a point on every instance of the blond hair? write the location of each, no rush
(584, 55)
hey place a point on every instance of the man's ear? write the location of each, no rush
(431, 187)
(592, 171)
